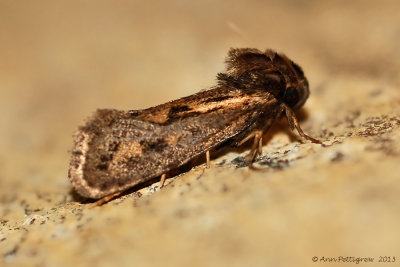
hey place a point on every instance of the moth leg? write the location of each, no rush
(293, 123)
(208, 159)
(251, 135)
(162, 180)
(256, 148)
(106, 199)
(260, 146)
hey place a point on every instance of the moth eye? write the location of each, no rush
(291, 96)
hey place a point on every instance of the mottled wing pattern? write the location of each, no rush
(116, 150)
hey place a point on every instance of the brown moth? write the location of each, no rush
(116, 150)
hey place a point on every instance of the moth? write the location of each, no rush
(116, 150)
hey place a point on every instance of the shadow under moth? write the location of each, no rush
(116, 150)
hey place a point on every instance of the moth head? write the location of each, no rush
(297, 89)
(276, 73)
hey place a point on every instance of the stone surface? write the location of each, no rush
(62, 60)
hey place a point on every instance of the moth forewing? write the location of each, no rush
(134, 149)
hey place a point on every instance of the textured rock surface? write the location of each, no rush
(62, 60)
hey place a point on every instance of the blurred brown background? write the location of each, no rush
(61, 60)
